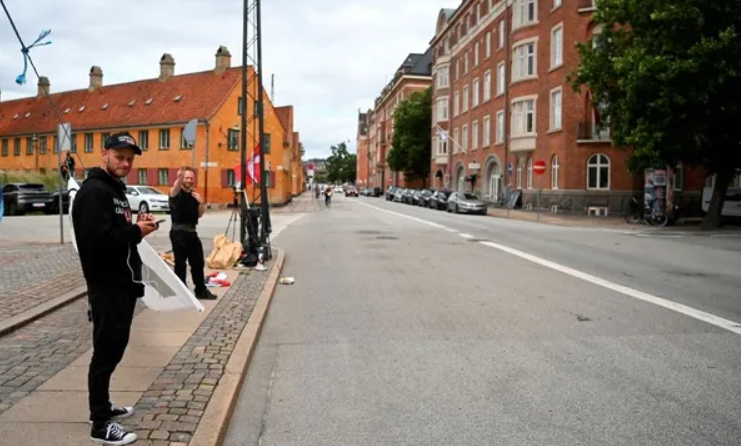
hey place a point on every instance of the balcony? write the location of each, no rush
(523, 143)
(441, 159)
(587, 132)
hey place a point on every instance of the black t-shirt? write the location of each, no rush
(184, 208)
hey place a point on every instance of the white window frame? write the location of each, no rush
(488, 45)
(442, 77)
(476, 54)
(442, 109)
(525, 59)
(524, 111)
(486, 140)
(501, 78)
(487, 85)
(442, 146)
(465, 98)
(476, 93)
(597, 166)
(475, 135)
(556, 4)
(456, 139)
(554, 172)
(529, 173)
(556, 109)
(164, 139)
(457, 104)
(478, 13)
(522, 12)
(557, 46)
(465, 63)
(500, 41)
(464, 138)
(499, 135)
(519, 174)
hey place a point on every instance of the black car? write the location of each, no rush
(390, 192)
(377, 192)
(53, 207)
(423, 198)
(438, 200)
(20, 198)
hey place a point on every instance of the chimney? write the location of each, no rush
(223, 60)
(43, 86)
(96, 78)
(167, 67)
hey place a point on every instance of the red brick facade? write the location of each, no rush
(363, 158)
(542, 118)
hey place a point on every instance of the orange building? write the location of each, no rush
(155, 112)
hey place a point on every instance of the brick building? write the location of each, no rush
(501, 102)
(155, 112)
(415, 74)
(363, 154)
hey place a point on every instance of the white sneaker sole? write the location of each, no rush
(132, 438)
(120, 417)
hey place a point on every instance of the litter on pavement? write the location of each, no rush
(287, 280)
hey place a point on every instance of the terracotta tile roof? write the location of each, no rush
(202, 94)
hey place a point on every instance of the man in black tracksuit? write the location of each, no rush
(107, 241)
(186, 207)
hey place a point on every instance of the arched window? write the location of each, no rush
(554, 172)
(519, 174)
(598, 172)
(530, 173)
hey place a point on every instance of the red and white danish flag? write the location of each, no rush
(253, 168)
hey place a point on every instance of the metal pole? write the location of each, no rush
(265, 228)
(59, 189)
(243, 135)
(205, 170)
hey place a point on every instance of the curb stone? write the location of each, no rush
(214, 424)
(13, 323)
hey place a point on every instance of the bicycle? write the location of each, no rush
(645, 213)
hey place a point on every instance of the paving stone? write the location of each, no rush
(159, 435)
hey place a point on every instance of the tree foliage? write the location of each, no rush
(341, 165)
(668, 74)
(411, 148)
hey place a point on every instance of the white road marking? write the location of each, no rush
(468, 236)
(291, 220)
(717, 321)
(451, 230)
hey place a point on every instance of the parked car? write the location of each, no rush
(351, 191)
(407, 196)
(438, 200)
(53, 207)
(399, 195)
(390, 192)
(19, 198)
(467, 203)
(377, 192)
(423, 198)
(147, 199)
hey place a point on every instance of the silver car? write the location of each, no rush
(147, 199)
(467, 203)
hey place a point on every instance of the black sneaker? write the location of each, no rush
(119, 413)
(206, 295)
(111, 433)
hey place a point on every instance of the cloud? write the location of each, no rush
(329, 57)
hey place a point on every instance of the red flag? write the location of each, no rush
(253, 168)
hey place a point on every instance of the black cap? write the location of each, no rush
(121, 141)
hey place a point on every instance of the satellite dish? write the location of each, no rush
(189, 133)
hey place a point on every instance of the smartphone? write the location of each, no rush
(159, 222)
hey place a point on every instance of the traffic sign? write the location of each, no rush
(539, 167)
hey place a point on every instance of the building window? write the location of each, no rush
(476, 54)
(184, 145)
(442, 146)
(678, 179)
(457, 104)
(524, 61)
(88, 143)
(141, 176)
(476, 96)
(554, 172)
(29, 146)
(165, 139)
(43, 145)
(465, 98)
(556, 3)
(487, 131)
(55, 146)
(475, 135)
(557, 46)
(458, 69)
(523, 117)
(598, 172)
(73, 145)
(556, 109)
(488, 45)
(17, 147)
(500, 79)
(267, 140)
(487, 85)
(526, 12)
(162, 177)
(144, 139)
(442, 109)
(240, 106)
(519, 174)
(104, 137)
(457, 141)
(465, 63)
(500, 127)
(5, 147)
(500, 41)
(530, 173)
(232, 137)
(231, 178)
(442, 77)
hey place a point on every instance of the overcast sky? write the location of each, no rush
(329, 57)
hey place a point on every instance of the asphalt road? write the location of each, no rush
(413, 327)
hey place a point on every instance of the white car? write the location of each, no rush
(147, 199)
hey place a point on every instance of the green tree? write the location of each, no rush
(341, 165)
(668, 77)
(412, 136)
(351, 168)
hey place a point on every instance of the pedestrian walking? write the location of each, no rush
(107, 242)
(186, 207)
(328, 196)
(70, 163)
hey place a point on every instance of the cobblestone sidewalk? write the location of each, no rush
(32, 274)
(169, 411)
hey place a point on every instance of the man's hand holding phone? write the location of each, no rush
(147, 227)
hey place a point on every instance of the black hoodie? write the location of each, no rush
(106, 237)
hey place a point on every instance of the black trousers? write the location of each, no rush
(187, 247)
(112, 316)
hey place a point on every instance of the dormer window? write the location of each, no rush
(178, 98)
(28, 114)
(105, 106)
(16, 116)
(66, 110)
(81, 109)
(149, 101)
(131, 104)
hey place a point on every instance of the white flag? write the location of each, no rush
(442, 134)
